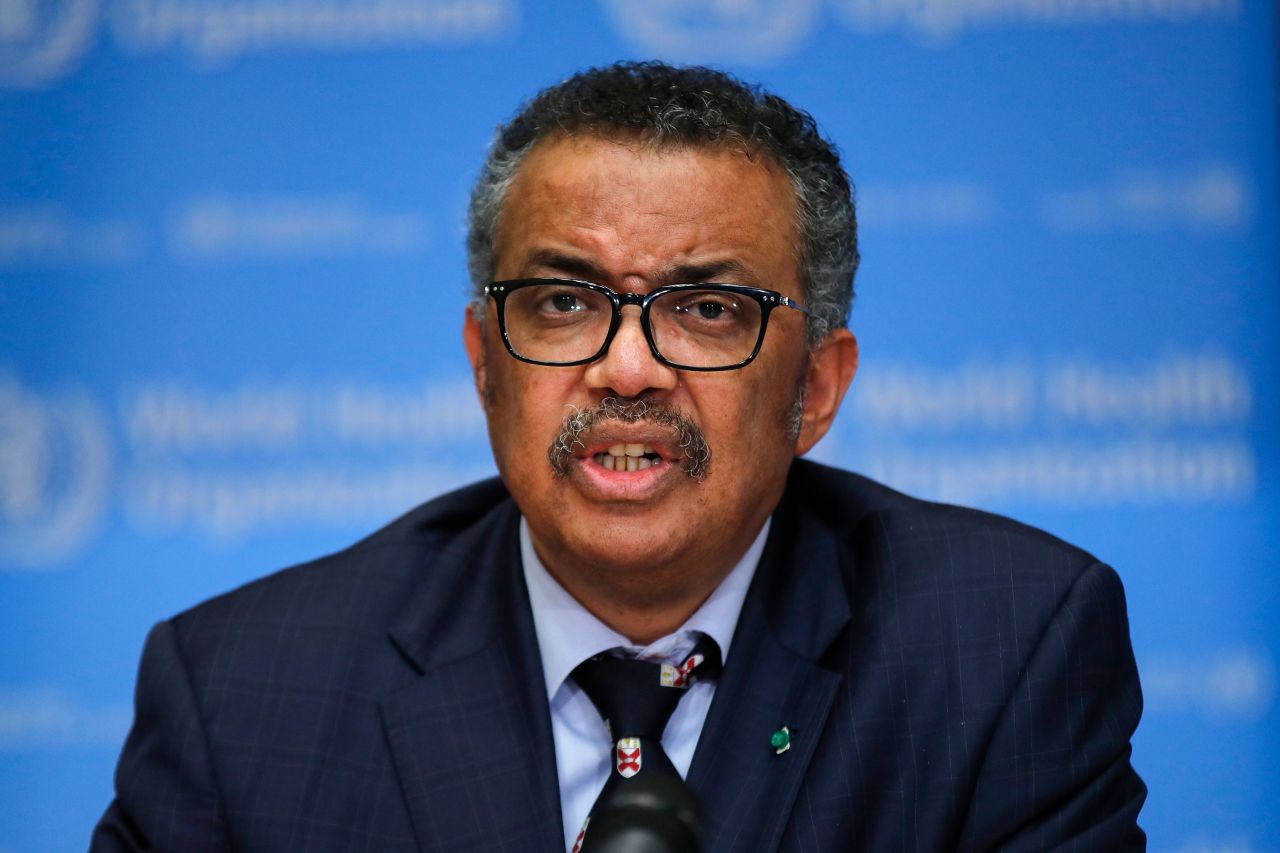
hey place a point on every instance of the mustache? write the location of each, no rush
(695, 453)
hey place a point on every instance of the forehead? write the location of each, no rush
(634, 208)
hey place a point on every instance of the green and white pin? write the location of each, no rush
(780, 740)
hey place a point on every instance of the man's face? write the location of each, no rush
(634, 219)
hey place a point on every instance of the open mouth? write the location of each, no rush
(629, 436)
(627, 457)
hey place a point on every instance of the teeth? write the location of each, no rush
(630, 450)
(626, 457)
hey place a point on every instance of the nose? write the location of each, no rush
(629, 369)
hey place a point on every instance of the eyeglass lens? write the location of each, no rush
(561, 323)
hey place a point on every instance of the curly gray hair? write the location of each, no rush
(688, 106)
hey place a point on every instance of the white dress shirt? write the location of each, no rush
(568, 634)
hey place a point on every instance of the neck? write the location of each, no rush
(643, 601)
(642, 607)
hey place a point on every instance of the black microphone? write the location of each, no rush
(654, 815)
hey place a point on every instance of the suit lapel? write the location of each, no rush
(797, 606)
(471, 735)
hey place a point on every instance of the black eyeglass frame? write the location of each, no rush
(766, 299)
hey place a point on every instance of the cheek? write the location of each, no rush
(526, 404)
(746, 411)
(749, 428)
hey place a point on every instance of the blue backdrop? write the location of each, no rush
(232, 282)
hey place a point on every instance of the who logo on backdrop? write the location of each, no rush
(55, 474)
(749, 31)
(43, 40)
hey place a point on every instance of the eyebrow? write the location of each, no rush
(579, 267)
(710, 271)
(571, 265)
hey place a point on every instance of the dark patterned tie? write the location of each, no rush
(636, 698)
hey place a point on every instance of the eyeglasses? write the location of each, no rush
(559, 322)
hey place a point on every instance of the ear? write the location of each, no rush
(473, 329)
(831, 369)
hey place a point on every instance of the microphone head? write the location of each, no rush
(648, 815)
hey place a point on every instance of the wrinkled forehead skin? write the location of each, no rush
(647, 143)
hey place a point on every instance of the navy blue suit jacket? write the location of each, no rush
(952, 680)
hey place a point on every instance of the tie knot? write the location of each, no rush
(637, 697)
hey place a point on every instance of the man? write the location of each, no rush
(663, 261)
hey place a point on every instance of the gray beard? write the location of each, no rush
(793, 421)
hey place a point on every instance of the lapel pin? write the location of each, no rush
(780, 740)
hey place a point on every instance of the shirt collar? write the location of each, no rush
(568, 633)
